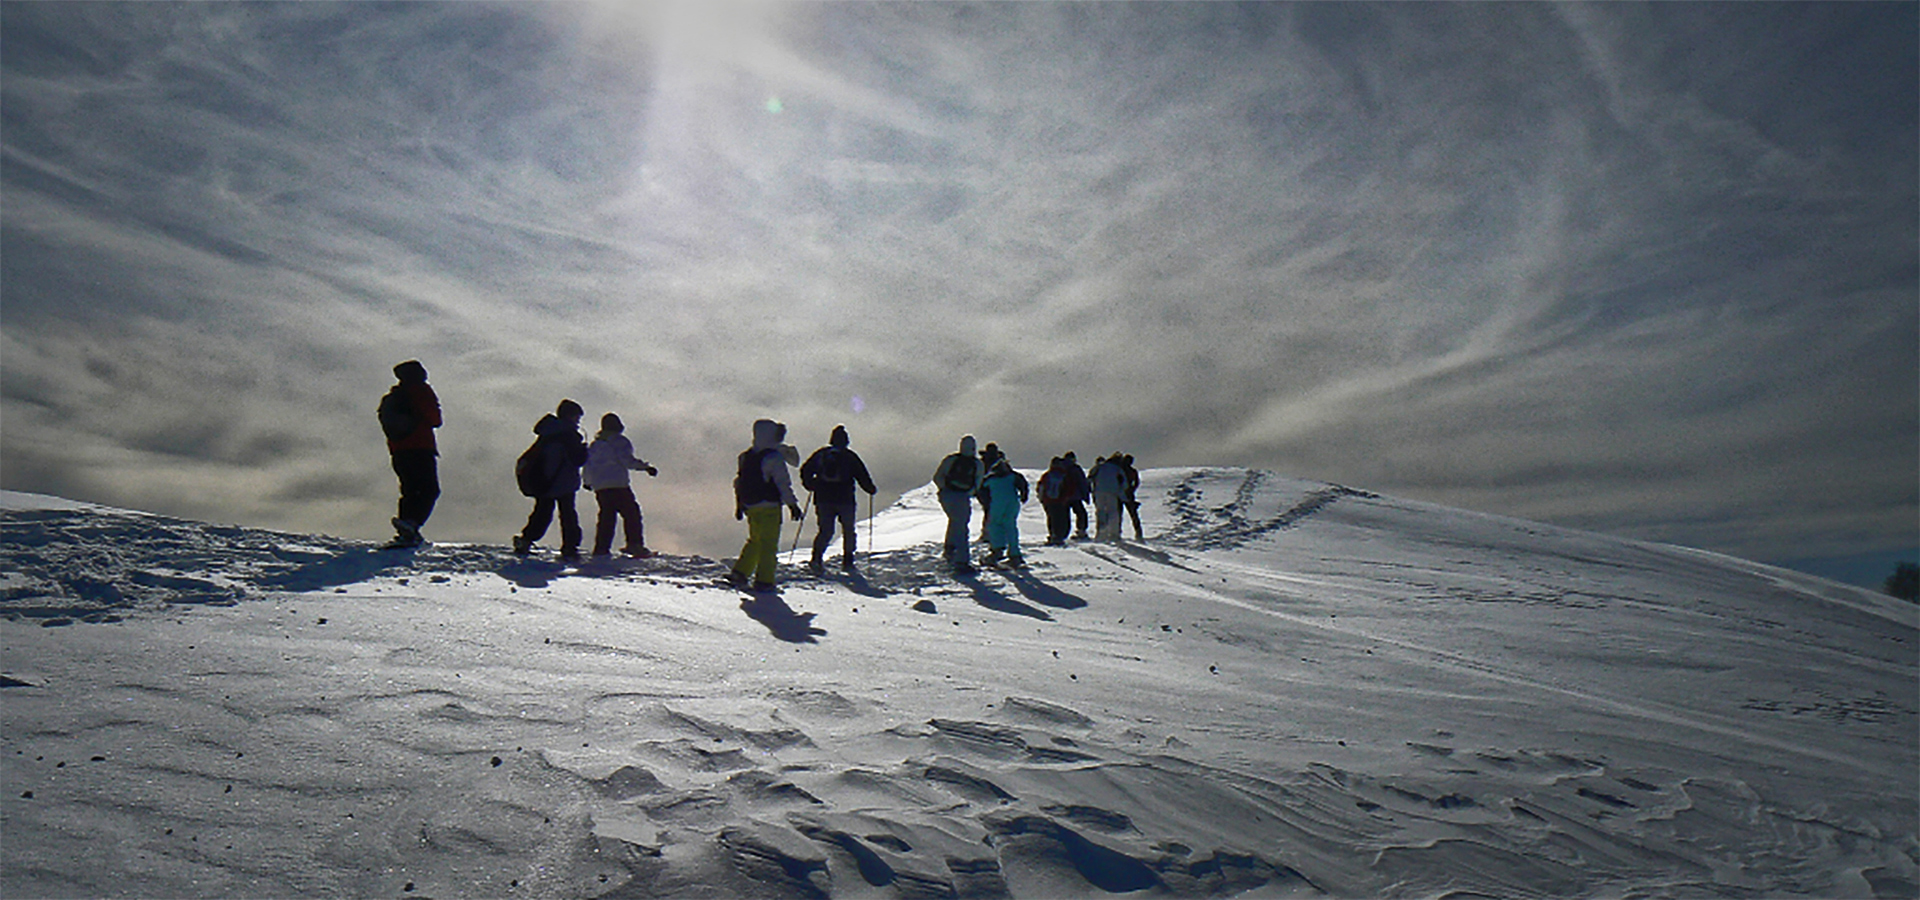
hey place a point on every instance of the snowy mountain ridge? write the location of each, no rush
(1288, 689)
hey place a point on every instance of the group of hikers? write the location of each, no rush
(561, 461)
(985, 474)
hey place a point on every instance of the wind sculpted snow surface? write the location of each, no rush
(1289, 689)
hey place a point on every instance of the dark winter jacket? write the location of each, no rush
(563, 451)
(831, 474)
(426, 413)
(1077, 489)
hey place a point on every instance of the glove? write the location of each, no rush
(653, 471)
(795, 509)
(739, 512)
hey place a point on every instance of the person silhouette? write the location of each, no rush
(760, 488)
(561, 453)
(409, 413)
(609, 458)
(831, 474)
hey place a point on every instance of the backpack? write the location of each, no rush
(960, 474)
(397, 418)
(834, 468)
(1053, 484)
(530, 470)
(751, 485)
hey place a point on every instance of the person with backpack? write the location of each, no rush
(1109, 482)
(989, 455)
(956, 479)
(1056, 493)
(1131, 499)
(760, 487)
(408, 414)
(831, 474)
(609, 459)
(1009, 490)
(549, 472)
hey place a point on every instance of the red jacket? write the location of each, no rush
(426, 404)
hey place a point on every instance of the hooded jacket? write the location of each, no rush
(609, 459)
(1108, 477)
(426, 409)
(1009, 490)
(775, 486)
(562, 451)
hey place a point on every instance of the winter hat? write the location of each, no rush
(569, 410)
(411, 370)
(611, 424)
(839, 438)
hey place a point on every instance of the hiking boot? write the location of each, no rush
(816, 566)
(569, 556)
(637, 552)
(521, 546)
(846, 564)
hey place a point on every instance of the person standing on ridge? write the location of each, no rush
(409, 413)
(989, 455)
(1109, 485)
(760, 488)
(956, 480)
(1080, 493)
(1009, 490)
(831, 474)
(1131, 499)
(1056, 493)
(549, 472)
(609, 459)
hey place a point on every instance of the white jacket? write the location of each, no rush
(609, 459)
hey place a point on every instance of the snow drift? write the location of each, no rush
(1288, 689)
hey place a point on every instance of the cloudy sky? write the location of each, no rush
(1649, 269)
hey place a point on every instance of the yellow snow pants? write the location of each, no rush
(760, 555)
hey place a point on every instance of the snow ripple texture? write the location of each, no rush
(1290, 689)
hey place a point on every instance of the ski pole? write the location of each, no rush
(869, 529)
(799, 527)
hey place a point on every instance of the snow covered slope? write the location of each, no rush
(1288, 689)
